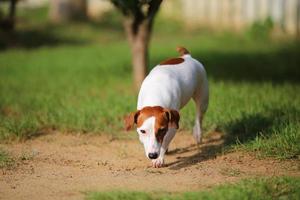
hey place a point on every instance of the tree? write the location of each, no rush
(8, 22)
(65, 10)
(138, 21)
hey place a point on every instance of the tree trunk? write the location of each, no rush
(138, 21)
(66, 10)
(139, 42)
(139, 52)
(12, 9)
(8, 22)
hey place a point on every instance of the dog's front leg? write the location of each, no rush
(159, 162)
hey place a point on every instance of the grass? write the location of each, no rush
(77, 78)
(266, 188)
(6, 160)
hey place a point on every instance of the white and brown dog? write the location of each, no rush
(168, 88)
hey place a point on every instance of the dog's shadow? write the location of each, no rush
(209, 149)
(242, 130)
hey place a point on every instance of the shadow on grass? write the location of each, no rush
(242, 131)
(248, 127)
(277, 66)
(34, 38)
(39, 34)
(265, 123)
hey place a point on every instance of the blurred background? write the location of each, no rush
(224, 14)
(76, 65)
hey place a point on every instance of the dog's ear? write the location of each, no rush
(173, 117)
(130, 120)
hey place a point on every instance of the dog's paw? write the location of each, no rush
(157, 163)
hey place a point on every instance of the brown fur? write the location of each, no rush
(172, 61)
(182, 51)
(130, 120)
(164, 118)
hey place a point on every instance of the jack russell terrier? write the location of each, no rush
(168, 88)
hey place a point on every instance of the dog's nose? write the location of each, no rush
(152, 155)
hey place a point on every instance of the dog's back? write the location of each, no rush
(173, 82)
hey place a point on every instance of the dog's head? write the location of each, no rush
(152, 125)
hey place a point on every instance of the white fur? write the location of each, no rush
(172, 86)
(148, 139)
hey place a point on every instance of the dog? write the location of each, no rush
(168, 88)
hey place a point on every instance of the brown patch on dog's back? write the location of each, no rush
(172, 61)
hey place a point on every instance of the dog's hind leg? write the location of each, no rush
(201, 103)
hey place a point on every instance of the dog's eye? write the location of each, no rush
(143, 131)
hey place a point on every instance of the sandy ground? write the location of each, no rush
(62, 166)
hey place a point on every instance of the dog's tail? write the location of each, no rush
(182, 51)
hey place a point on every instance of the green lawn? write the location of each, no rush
(283, 188)
(77, 78)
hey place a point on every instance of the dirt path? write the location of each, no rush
(60, 166)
